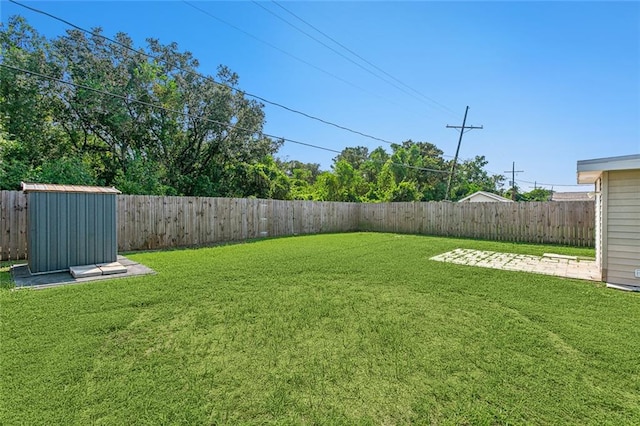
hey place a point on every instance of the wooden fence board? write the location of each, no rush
(13, 225)
(5, 227)
(150, 222)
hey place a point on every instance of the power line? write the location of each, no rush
(535, 182)
(157, 58)
(156, 106)
(331, 48)
(235, 27)
(548, 184)
(187, 115)
(527, 181)
(447, 109)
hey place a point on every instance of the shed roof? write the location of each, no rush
(590, 170)
(490, 195)
(48, 187)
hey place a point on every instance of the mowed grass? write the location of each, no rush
(329, 329)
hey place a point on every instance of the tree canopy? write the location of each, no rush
(81, 109)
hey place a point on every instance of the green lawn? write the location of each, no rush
(330, 329)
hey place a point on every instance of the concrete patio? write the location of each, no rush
(548, 264)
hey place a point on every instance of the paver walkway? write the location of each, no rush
(549, 264)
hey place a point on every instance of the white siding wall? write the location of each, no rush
(623, 226)
(599, 227)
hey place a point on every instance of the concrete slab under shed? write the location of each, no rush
(24, 279)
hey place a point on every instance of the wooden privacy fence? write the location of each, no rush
(13, 225)
(568, 223)
(148, 222)
(151, 222)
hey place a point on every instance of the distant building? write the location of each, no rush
(572, 196)
(484, 197)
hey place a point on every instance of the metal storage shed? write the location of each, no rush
(70, 225)
(617, 189)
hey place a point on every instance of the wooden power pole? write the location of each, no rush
(513, 179)
(455, 159)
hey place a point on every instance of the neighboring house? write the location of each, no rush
(572, 196)
(617, 193)
(484, 197)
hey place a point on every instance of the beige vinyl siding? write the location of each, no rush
(623, 226)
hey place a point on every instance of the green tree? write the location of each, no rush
(355, 156)
(165, 129)
(372, 167)
(263, 180)
(406, 191)
(386, 183)
(302, 177)
(142, 176)
(13, 167)
(27, 108)
(326, 187)
(538, 194)
(65, 171)
(421, 164)
(471, 177)
(344, 184)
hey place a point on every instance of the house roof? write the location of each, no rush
(571, 196)
(494, 197)
(48, 187)
(590, 170)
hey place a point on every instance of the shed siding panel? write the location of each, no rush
(623, 226)
(68, 229)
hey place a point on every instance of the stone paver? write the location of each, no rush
(84, 271)
(549, 264)
(112, 268)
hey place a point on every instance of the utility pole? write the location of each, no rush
(455, 159)
(513, 179)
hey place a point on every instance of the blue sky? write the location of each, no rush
(551, 82)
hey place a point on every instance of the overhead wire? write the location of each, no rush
(209, 78)
(259, 4)
(535, 182)
(235, 27)
(156, 106)
(157, 58)
(444, 107)
(549, 184)
(193, 117)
